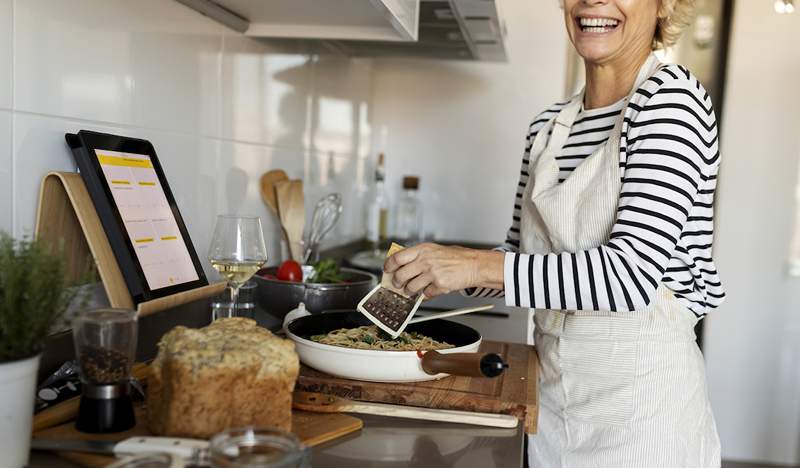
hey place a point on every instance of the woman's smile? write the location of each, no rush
(605, 31)
(595, 25)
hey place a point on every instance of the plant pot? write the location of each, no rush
(18, 388)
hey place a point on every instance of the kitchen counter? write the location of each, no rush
(397, 442)
(383, 442)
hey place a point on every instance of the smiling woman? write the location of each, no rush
(610, 243)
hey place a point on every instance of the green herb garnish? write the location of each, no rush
(326, 271)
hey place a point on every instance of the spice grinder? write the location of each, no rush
(105, 345)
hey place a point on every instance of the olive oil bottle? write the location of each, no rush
(378, 208)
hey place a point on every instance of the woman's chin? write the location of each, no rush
(595, 52)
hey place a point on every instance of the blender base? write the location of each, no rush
(97, 415)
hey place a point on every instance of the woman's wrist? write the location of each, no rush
(489, 269)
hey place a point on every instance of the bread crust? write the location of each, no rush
(231, 373)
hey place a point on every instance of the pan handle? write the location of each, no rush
(466, 364)
(293, 315)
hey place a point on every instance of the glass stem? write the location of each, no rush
(234, 298)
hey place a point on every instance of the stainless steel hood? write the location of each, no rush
(437, 29)
(448, 29)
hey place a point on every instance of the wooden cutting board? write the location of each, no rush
(311, 428)
(515, 392)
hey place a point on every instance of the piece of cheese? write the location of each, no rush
(386, 279)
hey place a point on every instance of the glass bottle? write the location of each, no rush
(378, 208)
(409, 212)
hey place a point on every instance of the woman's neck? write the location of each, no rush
(607, 83)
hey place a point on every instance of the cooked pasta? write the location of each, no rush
(369, 337)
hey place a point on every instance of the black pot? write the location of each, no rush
(279, 297)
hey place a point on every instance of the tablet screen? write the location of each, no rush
(148, 218)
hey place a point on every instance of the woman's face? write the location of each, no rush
(603, 30)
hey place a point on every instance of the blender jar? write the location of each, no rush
(105, 345)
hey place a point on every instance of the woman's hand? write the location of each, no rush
(435, 269)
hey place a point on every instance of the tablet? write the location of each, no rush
(139, 215)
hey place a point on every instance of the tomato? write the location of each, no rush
(290, 271)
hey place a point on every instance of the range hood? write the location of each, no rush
(440, 29)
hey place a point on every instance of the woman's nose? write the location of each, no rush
(595, 2)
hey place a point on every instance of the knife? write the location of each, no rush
(193, 451)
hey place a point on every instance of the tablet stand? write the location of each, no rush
(66, 216)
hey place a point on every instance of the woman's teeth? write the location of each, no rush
(597, 25)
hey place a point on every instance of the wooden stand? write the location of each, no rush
(66, 217)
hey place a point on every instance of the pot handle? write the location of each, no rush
(465, 364)
(295, 314)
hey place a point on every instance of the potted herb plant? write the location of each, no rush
(34, 294)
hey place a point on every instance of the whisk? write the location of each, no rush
(325, 216)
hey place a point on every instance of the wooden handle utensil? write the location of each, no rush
(321, 403)
(291, 209)
(268, 181)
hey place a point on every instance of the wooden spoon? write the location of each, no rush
(268, 181)
(292, 212)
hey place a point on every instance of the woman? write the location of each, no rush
(611, 245)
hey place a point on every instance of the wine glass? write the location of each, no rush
(237, 250)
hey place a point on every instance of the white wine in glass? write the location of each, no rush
(234, 271)
(237, 250)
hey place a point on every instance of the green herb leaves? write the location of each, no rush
(326, 271)
(34, 293)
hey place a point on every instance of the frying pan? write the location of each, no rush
(392, 366)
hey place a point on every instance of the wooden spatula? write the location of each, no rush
(268, 181)
(292, 213)
(322, 403)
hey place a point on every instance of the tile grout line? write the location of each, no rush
(13, 128)
(205, 136)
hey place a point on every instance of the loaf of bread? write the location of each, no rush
(231, 373)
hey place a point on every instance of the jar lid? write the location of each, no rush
(411, 183)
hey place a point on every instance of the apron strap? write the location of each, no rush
(562, 125)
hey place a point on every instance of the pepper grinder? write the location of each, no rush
(105, 344)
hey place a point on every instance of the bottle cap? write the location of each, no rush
(411, 183)
(380, 170)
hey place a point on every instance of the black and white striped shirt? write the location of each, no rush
(669, 158)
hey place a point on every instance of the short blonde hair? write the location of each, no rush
(673, 17)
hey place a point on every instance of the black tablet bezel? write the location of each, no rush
(91, 141)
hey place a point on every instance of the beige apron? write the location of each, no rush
(618, 389)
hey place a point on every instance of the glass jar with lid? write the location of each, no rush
(251, 447)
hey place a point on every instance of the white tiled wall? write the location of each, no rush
(461, 126)
(221, 109)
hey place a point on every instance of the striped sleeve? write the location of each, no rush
(668, 148)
